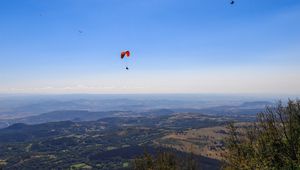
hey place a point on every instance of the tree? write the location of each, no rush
(273, 142)
(164, 160)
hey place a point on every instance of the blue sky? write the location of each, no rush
(178, 46)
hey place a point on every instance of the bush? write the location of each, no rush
(164, 160)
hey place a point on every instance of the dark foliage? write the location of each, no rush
(168, 159)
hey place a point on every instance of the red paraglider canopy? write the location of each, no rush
(125, 53)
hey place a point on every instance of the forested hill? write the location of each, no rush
(109, 143)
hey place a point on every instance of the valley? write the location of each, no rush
(113, 142)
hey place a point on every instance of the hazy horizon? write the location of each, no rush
(168, 96)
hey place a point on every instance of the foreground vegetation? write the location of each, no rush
(273, 142)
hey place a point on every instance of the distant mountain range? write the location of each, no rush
(247, 108)
(244, 108)
(80, 115)
(24, 106)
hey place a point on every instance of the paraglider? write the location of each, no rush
(232, 2)
(125, 54)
